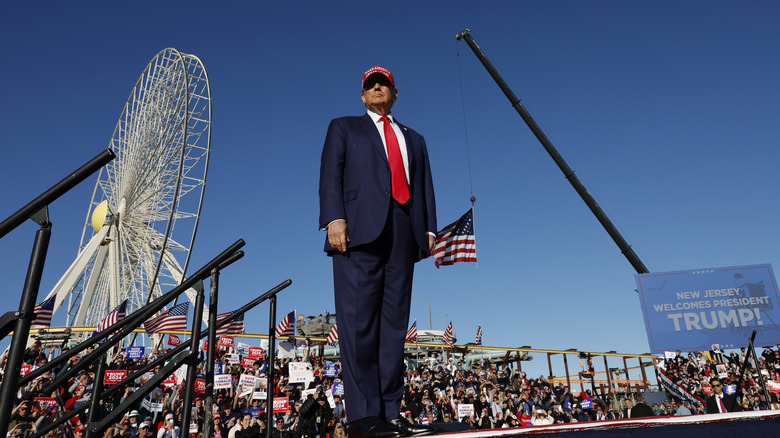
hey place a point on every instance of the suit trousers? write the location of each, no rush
(373, 289)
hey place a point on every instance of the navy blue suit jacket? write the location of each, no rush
(355, 181)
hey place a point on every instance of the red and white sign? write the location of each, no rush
(112, 377)
(223, 381)
(247, 362)
(707, 389)
(174, 341)
(281, 404)
(200, 386)
(25, 370)
(773, 386)
(46, 402)
(226, 341)
(256, 352)
(170, 381)
(465, 410)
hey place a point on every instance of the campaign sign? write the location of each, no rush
(242, 348)
(300, 372)
(200, 386)
(707, 390)
(247, 382)
(465, 410)
(47, 402)
(586, 403)
(691, 310)
(259, 395)
(135, 353)
(233, 358)
(256, 352)
(773, 386)
(219, 368)
(174, 341)
(331, 371)
(112, 377)
(226, 341)
(247, 362)
(170, 381)
(25, 370)
(222, 381)
(281, 404)
(730, 389)
(338, 388)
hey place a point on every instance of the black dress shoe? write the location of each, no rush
(411, 429)
(373, 427)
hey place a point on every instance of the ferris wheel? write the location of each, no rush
(142, 220)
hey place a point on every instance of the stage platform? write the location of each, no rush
(731, 425)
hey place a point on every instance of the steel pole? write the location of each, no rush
(97, 389)
(270, 386)
(625, 248)
(208, 401)
(192, 362)
(22, 326)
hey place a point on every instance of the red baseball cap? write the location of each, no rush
(381, 70)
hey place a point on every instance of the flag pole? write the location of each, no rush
(474, 229)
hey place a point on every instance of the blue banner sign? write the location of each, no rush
(331, 371)
(135, 353)
(692, 310)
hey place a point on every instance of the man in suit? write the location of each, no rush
(378, 207)
(721, 402)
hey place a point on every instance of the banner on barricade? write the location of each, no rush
(677, 390)
(281, 404)
(112, 377)
(223, 381)
(691, 310)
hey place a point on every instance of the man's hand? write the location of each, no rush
(338, 236)
(431, 244)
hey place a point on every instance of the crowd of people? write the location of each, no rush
(438, 390)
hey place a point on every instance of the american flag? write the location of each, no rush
(234, 327)
(174, 318)
(286, 326)
(333, 336)
(479, 335)
(411, 335)
(44, 311)
(448, 337)
(456, 242)
(113, 317)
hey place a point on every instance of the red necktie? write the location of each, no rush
(722, 406)
(397, 173)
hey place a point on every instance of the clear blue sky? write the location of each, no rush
(667, 111)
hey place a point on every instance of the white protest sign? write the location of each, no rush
(222, 381)
(259, 395)
(300, 372)
(286, 350)
(465, 410)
